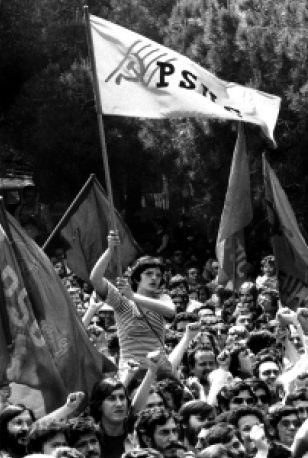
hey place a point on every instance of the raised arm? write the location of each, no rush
(176, 356)
(73, 402)
(97, 274)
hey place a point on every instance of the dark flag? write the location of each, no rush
(84, 228)
(236, 215)
(46, 346)
(289, 246)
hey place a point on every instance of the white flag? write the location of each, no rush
(141, 78)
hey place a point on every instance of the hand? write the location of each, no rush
(124, 287)
(132, 365)
(286, 317)
(224, 359)
(152, 360)
(257, 435)
(95, 303)
(302, 315)
(113, 240)
(74, 400)
(192, 329)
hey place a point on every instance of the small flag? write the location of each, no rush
(84, 228)
(236, 215)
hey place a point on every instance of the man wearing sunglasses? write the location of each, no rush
(237, 394)
(285, 422)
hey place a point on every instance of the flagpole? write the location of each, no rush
(99, 113)
(68, 211)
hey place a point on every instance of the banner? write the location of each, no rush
(141, 78)
(47, 347)
(289, 246)
(236, 215)
(85, 227)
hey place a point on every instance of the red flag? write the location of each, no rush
(47, 344)
(236, 215)
(289, 246)
(84, 227)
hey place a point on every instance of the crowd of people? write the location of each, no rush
(202, 370)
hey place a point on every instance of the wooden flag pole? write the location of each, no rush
(101, 130)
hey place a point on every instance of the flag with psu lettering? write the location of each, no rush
(289, 246)
(236, 215)
(44, 343)
(140, 78)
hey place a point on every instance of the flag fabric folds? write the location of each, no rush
(236, 215)
(45, 346)
(84, 228)
(141, 78)
(289, 246)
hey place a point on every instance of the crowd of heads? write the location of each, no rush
(227, 388)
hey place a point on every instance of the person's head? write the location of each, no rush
(262, 393)
(245, 318)
(268, 300)
(236, 334)
(299, 400)
(178, 257)
(194, 415)
(248, 293)
(267, 369)
(214, 451)
(109, 402)
(193, 274)
(180, 298)
(227, 435)
(83, 434)
(285, 422)
(158, 428)
(268, 266)
(15, 422)
(201, 362)
(45, 437)
(236, 394)
(244, 419)
(146, 274)
(241, 360)
(173, 392)
(178, 281)
(260, 340)
(155, 398)
(60, 268)
(208, 308)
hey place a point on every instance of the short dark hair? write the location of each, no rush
(101, 391)
(260, 340)
(195, 407)
(237, 414)
(191, 354)
(79, 426)
(221, 433)
(227, 392)
(41, 431)
(178, 280)
(264, 357)
(149, 419)
(278, 412)
(143, 263)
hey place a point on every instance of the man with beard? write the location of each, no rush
(15, 422)
(83, 434)
(158, 429)
(201, 362)
(227, 435)
(45, 437)
(194, 415)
